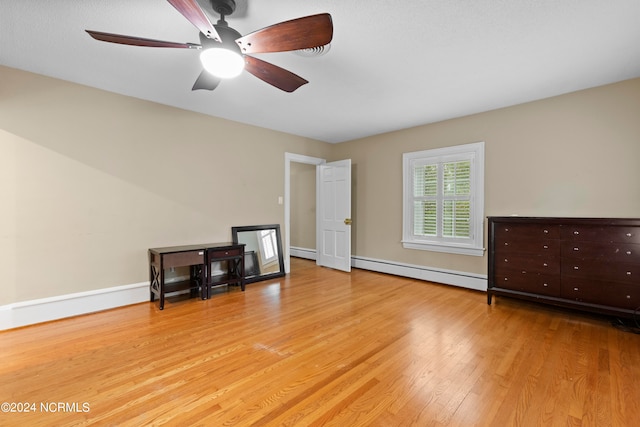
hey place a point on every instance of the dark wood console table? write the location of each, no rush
(233, 254)
(198, 258)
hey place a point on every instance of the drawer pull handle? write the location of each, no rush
(576, 249)
(505, 279)
(545, 246)
(506, 243)
(628, 252)
(575, 267)
(545, 264)
(576, 232)
(546, 231)
(628, 273)
(575, 289)
(200, 253)
(506, 229)
(628, 296)
(628, 234)
(506, 260)
(545, 285)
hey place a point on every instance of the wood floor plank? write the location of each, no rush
(323, 347)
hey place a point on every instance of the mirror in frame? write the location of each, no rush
(263, 257)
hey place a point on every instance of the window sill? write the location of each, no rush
(452, 249)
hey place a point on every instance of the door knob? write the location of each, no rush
(348, 221)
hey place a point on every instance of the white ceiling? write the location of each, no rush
(391, 65)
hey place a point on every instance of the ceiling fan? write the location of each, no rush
(223, 48)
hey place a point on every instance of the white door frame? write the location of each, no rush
(298, 158)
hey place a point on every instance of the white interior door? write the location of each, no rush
(334, 235)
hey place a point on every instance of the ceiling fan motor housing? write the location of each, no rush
(228, 36)
(224, 7)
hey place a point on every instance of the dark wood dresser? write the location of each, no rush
(591, 264)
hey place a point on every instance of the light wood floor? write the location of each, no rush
(322, 347)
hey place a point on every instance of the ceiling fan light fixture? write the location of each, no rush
(221, 62)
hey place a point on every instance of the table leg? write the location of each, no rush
(152, 295)
(161, 286)
(241, 273)
(203, 282)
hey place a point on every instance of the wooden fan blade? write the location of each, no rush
(301, 33)
(274, 75)
(206, 81)
(138, 41)
(191, 10)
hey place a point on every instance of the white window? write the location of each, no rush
(443, 199)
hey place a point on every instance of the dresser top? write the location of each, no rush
(567, 220)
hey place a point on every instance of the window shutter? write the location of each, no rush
(425, 190)
(456, 205)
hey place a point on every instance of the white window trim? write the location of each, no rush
(475, 246)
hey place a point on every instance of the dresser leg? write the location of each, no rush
(489, 297)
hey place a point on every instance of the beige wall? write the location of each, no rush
(571, 155)
(90, 180)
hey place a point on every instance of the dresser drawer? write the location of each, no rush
(581, 290)
(543, 247)
(527, 264)
(612, 252)
(619, 295)
(542, 284)
(599, 270)
(181, 259)
(224, 253)
(509, 231)
(621, 234)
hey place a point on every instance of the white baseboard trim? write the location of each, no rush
(461, 279)
(303, 253)
(46, 309)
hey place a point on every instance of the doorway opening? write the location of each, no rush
(330, 218)
(302, 169)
